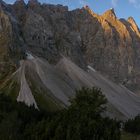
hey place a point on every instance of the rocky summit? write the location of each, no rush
(48, 49)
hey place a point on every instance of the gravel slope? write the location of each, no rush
(63, 78)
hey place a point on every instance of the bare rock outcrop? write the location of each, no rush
(108, 44)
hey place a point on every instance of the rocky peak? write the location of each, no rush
(4, 7)
(133, 25)
(87, 8)
(56, 8)
(19, 8)
(2, 2)
(33, 2)
(131, 20)
(20, 2)
(110, 14)
(62, 8)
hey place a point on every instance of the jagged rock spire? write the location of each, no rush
(3, 5)
(131, 20)
(20, 2)
(134, 25)
(87, 8)
(33, 2)
(1, 1)
(110, 14)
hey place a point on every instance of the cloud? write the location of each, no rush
(114, 3)
(82, 2)
(135, 3)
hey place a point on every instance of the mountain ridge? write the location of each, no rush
(46, 38)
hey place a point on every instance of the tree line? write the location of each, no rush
(82, 120)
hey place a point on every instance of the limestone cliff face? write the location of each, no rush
(109, 44)
(11, 42)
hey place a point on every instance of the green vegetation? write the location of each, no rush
(82, 120)
(11, 88)
(132, 127)
(129, 136)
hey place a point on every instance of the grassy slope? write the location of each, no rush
(8, 85)
(128, 136)
(11, 87)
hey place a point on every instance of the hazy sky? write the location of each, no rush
(123, 8)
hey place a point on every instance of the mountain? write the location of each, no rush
(47, 52)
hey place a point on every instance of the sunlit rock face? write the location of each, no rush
(108, 44)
